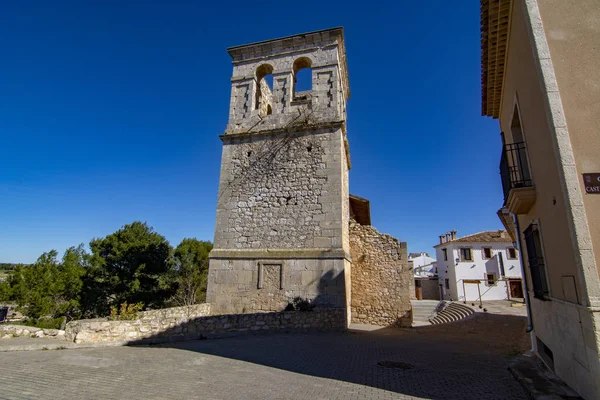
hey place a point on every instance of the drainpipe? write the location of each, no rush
(525, 289)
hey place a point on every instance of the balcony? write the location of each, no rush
(519, 192)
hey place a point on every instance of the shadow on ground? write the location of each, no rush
(463, 360)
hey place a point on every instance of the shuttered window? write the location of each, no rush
(535, 259)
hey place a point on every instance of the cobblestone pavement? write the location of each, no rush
(459, 361)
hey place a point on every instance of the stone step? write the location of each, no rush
(428, 313)
(457, 311)
(453, 312)
(430, 309)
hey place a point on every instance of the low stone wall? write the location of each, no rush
(149, 329)
(178, 313)
(381, 278)
(148, 322)
(14, 331)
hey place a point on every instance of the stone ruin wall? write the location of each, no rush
(381, 278)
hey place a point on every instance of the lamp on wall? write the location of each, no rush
(457, 260)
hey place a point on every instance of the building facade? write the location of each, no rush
(423, 265)
(287, 226)
(541, 81)
(480, 267)
(282, 226)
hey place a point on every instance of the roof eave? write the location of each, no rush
(494, 26)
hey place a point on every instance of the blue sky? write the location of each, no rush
(110, 112)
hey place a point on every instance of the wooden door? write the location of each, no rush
(516, 289)
(418, 290)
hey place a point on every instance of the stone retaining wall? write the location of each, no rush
(159, 329)
(13, 331)
(177, 313)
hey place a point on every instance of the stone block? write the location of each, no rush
(322, 242)
(226, 277)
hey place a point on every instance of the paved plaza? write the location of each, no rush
(465, 360)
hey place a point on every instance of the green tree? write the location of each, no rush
(48, 288)
(72, 271)
(191, 271)
(5, 290)
(33, 287)
(130, 265)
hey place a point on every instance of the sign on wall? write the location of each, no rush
(591, 182)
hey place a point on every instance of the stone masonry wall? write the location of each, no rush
(14, 331)
(281, 206)
(266, 98)
(329, 92)
(380, 278)
(177, 313)
(277, 192)
(236, 286)
(159, 330)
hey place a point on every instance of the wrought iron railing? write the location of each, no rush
(514, 168)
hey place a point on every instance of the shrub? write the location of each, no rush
(126, 312)
(45, 323)
(299, 304)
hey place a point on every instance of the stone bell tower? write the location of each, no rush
(283, 212)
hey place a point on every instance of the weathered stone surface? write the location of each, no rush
(283, 181)
(83, 331)
(11, 331)
(177, 313)
(380, 278)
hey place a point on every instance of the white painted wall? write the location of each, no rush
(476, 269)
(421, 261)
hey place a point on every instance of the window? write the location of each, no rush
(511, 253)
(466, 254)
(447, 283)
(490, 279)
(487, 253)
(302, 77)
(264, 89)
(445, 251)
(537, 267)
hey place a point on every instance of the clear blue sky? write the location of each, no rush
(110, 112)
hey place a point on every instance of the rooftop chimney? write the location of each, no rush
(447, 237)
(453, 234)
(442, 239)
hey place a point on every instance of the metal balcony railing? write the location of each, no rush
(514, 168)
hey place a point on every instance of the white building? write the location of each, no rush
(484, 265)
(423, 265)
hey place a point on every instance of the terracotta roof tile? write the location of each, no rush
(499, 236)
